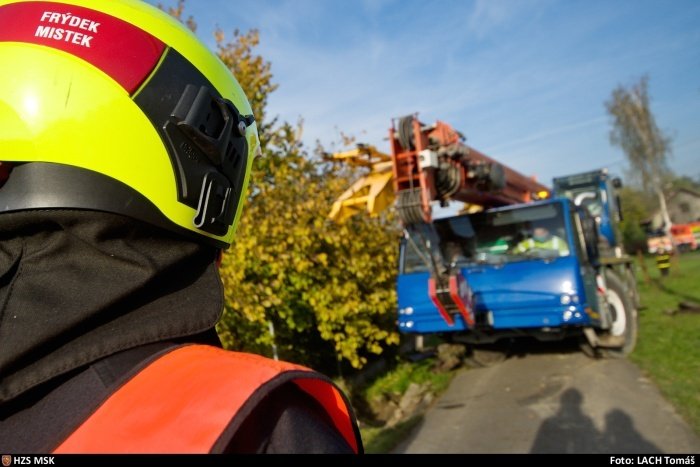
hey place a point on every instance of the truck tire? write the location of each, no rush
(620, 340)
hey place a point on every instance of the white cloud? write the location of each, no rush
(489, 14)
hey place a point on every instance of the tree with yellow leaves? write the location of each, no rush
(327, 289)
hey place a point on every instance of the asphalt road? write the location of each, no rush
(552, 400)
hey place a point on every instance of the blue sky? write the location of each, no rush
(524, 80)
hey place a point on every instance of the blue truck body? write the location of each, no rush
(541, 295)
(508, 291)
(518, 295)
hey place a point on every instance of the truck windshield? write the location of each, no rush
(494, 237)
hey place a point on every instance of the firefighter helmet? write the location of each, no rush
(117, 107)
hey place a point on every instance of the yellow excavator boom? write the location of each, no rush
(373, 192)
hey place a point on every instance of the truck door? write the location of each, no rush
(586, 247)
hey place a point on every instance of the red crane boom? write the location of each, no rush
(431, 163)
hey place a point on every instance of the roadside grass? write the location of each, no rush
(396, 381)
(378, 440)
(393, 384)
(668, 345)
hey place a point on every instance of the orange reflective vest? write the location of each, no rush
(183, 401)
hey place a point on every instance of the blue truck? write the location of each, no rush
(487, 285)
(490, 274)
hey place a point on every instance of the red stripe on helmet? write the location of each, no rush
(122, 50)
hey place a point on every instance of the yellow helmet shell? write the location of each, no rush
(126, 111)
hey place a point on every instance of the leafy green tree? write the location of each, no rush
(315, 280)
(685, 182)
(636, 207)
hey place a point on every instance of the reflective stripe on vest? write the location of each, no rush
(552, 243)
(183, 401)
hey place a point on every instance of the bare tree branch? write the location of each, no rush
(635, 131)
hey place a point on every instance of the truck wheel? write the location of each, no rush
(588, 350)
(486, 356)
(621, 338)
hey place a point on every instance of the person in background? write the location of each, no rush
(663, 260)
(125, 152)
(543, 239)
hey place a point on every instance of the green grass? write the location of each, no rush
(398, 379)
(668, 348)
(379, 440)
(394, 384)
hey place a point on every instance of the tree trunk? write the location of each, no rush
(643, 264)
(664, 211)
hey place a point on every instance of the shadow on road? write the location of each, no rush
(522, 347)
(570, 431)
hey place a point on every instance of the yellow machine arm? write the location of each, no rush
(373, 192)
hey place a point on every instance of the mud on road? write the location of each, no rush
(551, 398)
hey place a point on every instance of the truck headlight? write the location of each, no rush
(566, 299)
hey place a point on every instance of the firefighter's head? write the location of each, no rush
(541, 234)
(115, 106)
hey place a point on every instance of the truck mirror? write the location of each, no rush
(617, 183)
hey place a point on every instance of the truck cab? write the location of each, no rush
(597, 192)
(547, 289)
